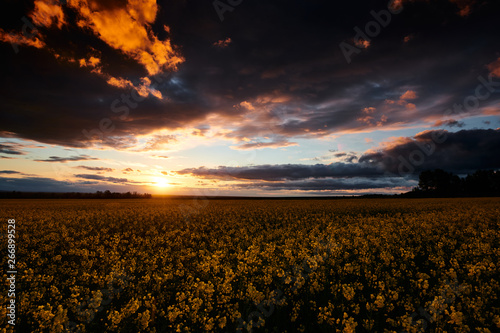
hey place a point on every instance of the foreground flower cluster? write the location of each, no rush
(378, 265)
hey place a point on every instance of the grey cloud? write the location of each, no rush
(105, 179)
(41, 184)
(286, 171)
(7, 172)
(68, 159)
(95, 168)
(11, 149)
(334, 184)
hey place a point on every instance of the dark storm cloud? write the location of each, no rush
(277, 48)
(82, 106)
(286, 171)
(333, 184)
(68, 159)
(459, 152)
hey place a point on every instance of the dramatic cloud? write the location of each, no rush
(20, 40)
(335, 184)
(461, 152)
(455, 152)
(285, 171)
(68, 159)
(128, 28)
(264, 87)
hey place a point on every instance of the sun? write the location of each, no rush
(160, 182)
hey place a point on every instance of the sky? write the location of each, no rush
(246, 98)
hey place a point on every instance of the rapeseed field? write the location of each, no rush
(348, 265)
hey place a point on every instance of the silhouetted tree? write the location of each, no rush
(484, 182)
(441, 183)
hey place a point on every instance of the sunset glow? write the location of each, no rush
(161, 182)
(316, 99)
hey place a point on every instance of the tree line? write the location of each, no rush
(440, 183)
(73, 195)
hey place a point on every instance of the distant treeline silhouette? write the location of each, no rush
(73, 195)
(439, 183)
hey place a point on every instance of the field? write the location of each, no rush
(165, 265)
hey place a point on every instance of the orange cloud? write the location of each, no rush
(93, 61)
(494, 68)
(19, 39)
(369, 110)
(367, 120)
(247, 105)
(403, 100)
(125, 26)
(128, 29)
(144, 89)
(393, 142)
(90, 62)
(361, 43)
(119, 82)
(409, 94)
(383, 120)
(46, 13)
(223, 42)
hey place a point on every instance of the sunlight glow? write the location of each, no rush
(160, 182)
